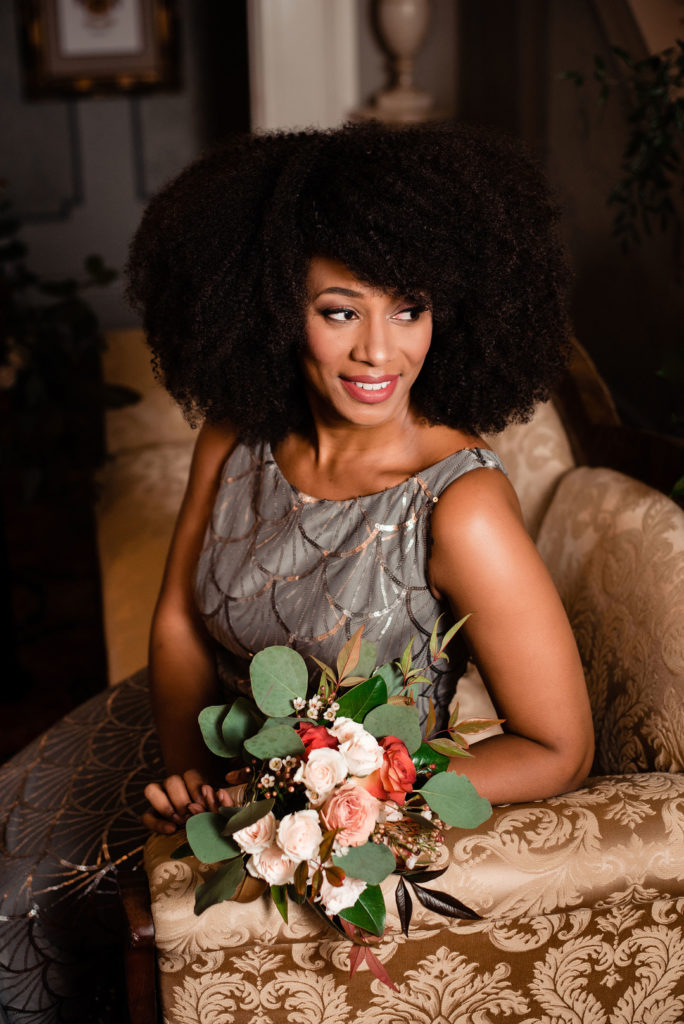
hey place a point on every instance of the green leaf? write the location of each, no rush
(394, 679)
(210, 721)
(450, 633)
(274, 741)
(205, 835)
(368, 912)
(222, 885)
(357, 702)
(449, 748)
(407, 657)
(348, 658)
(242, 721)
(278, 675)
(455, 800)
(371, 862)
(425, 755)
(395, 720)
(365, 666)
(279, 897)
(247, 815)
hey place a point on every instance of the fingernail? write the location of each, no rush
(207, 792)
(178, 820)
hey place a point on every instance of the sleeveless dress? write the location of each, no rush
(277, 567)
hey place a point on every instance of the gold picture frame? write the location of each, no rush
(98, 47)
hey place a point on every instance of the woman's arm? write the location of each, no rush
(182, 668)
(484, 562)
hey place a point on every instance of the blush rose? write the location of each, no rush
(272, 866)
(299, 835)
(324, 770)
(352, 810)
(395, 776)
(258, 836)
(362, 751)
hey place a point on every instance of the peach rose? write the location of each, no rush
(272, 866)
(258, 836)
(299, 835)
(354, 811)
(395, 776)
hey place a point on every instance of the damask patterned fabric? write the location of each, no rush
(582, 899)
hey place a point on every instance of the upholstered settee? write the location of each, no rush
(581, 896)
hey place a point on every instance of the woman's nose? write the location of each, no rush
(373, 342)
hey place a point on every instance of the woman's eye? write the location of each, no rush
(339, 315)
(411, 313)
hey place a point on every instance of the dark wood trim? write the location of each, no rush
(141, 961)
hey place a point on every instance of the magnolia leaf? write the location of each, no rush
(368, 912)
(210, 720)
(296, 897)
(371, 862)
(393, 677)
(404, 905)
(443, 903)
(335, 876)
(455, 800)
(448, 748)
(348, 658)
(425, 874)
(205, 835)
(222, 885)
(316, 882)
(248, 815)
(393, 720)
(275, 741)
(184, 850)
(356, 703)
(300, 877)
(278, 676)
(327, 844)
(242, 720)
(424, 756)
(279, 897)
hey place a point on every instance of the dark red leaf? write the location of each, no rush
(378, 969)
(404, 905)
(443, 903)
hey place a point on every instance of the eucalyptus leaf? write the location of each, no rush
(222, 885)
(357, 702)
(371, 862)
(210, 722)
(278, 676)
(395, 720)
(368, 912)
(274, 741)
(242, 721)
(205, 836)
(455, 800)
(247, 815)
(393, 677)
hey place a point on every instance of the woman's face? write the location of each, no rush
(364, 347)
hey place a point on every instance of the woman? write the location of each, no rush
(346, 312)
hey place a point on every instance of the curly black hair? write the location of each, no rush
(450, 213)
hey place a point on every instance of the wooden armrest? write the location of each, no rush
(141, 980)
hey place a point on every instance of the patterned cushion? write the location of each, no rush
(615, 548)
(576, 893)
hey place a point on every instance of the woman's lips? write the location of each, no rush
(370, 390)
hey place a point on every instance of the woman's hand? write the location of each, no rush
(173, 800)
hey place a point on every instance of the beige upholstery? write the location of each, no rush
(582, 896)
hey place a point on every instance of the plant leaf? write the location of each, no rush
(275, 741)
(404, 905)
(278, 675)
(406, 658)
(434, 649)
(300, 877)
(394, 679)
(210, 720)
(431, 718)
(443, 903)
(326, 844)
(205, 836)
(420, 820)
(455, 800)
(378, 969)
(357, 702)
(184, 850)
(242, 721)
(425, 756)
(279, 897)
(473, 725)
(371, 862)
(395, 720)
(222, 885)
(348, 658)
(335, 876)
(368, 657)
(448, 747)
(450, 633)
(247, 815)
(368, 912)
(357, 955)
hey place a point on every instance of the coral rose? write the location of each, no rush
(315, 736)
(352, 810)
(395, 776)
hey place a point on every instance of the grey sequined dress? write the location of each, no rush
(277, 567)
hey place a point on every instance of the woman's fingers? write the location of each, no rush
(232, 796)
(156, 824)
(194, 783)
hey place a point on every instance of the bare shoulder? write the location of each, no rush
(214, 444)
(478, 499)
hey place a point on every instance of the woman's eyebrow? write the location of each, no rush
(349, 292)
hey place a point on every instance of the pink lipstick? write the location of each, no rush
(370, 390)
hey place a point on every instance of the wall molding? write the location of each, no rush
(304, 62)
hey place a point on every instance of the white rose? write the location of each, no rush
(338, 897)
(258, 836)
(389, 811)
(324, 770)
(361, 751)
(272, 866)
(299, 835)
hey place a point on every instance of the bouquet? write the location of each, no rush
(342, 791)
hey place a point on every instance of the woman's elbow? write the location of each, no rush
(577, 763)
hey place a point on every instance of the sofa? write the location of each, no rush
(581, 897)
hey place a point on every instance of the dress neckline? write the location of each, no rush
(417, 476)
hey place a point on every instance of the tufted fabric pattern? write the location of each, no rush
(578, 894)
(615, 548)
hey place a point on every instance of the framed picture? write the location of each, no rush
(85, 47)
